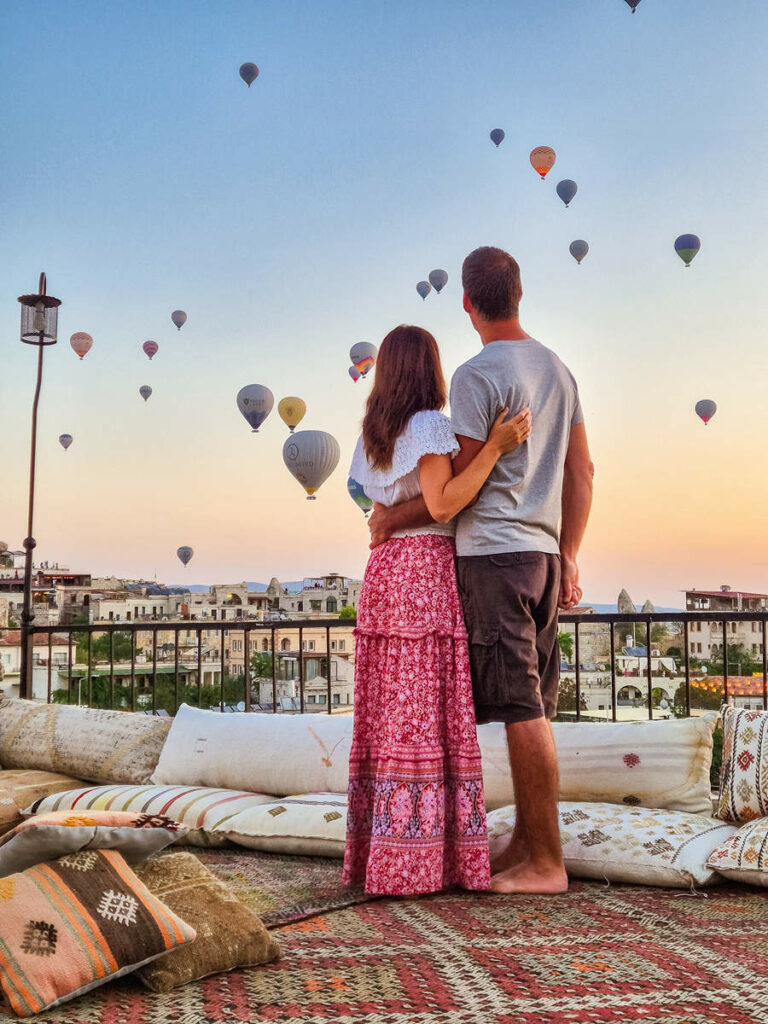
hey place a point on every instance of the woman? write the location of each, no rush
(416, 820)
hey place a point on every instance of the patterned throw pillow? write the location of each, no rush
(18, 789)
(744, 775)
(69, 926)
(229, 935)
(89, 743)
(314, 824)
(198, 809)
(48, 836)
(744, 857)
(629, 844)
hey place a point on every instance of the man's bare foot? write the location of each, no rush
(532, 878)
(509, 856)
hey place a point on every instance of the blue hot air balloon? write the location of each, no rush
(578, 249)
(255, 403)
(145, 391)
(497, 136)
(358, 495)
(686, 247)
(567, 189)
(185, 555)
(423, 288)
(65, 440)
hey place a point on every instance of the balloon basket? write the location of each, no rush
(311, 497)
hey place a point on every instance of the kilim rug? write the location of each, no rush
(281, 889)
(594, 956)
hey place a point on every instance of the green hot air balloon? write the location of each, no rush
(686, 247)
(358, 495)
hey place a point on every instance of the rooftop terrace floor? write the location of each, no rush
(596, 954)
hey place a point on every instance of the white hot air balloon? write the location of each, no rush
(311, 456)
(363, 356)
(255, 403)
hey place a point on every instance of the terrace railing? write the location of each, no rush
(169, 672)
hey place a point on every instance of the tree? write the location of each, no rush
(740, 661)
(261, 665)
(121, 647)
(701, 700)
(566, 645)
(348, 612)
(566, 700)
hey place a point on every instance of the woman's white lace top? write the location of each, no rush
(426, 433)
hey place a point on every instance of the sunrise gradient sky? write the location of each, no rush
(293, 219)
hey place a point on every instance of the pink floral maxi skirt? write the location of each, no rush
(416, 819)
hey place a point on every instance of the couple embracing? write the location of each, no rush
(475, 535)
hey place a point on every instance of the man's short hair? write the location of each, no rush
(491, 280)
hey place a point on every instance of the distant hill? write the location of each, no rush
(611, 609)
(253, 588)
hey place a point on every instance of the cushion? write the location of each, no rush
(18, 789)
(314, 824)
(648, 764)
(744, 774)
(48, 836)
(198, 809)
(102, 746)
(744, 856)
(229, 935)
(629, 844)
(279, 754)
(69, 926)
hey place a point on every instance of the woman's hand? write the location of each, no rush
(507, 435)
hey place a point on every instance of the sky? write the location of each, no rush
(293, 219)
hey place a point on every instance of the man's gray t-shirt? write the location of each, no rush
(519, 507)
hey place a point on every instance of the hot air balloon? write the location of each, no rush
(633, 4)
(249, 73)
(686, 247)
(497, 136)
(179, 318)
(567, 189)
(255, 403)
(706, 409)
(150, 348)
(358, 495)
(291, 411)
(363, 356)
(423, 288)
(185, 555)
(578, 249)
(543, 160)
(81, 343)
(145, 391)
(438, 279)
(65, 440)
(354, 373)
(311, 456)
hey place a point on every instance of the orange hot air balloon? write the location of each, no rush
(543, 160)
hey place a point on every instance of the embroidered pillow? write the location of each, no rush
(48, 836)
(744, 856)
(628, 844)
(314, 824)
(744, 775)
(18, 789)
(197, 808)
(229, 935)
(89, 743)
(70, 926)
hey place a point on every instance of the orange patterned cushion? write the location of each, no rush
(69, 926)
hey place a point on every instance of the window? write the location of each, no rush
(331, 605)
(315, 606)
(111, 616)
(311, 699)
(285, 645)
(693, 647)
(699, 648)
(342, 645)
(301, 606)
(311, 645)
(333, 645)
(265, 645)
(129, 616)
(337, 698)
(303, 645)
(321, 698)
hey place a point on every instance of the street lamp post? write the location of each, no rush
(39, 319)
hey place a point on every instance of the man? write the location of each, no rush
(517, 548)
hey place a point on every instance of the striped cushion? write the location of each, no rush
(198, 808)
(70, 926)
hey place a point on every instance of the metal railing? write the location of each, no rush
(135, 680)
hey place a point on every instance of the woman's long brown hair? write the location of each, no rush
(409, 379)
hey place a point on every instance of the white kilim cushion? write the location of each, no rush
(646, 764)
(279, 754)
(198, 809)
(314, 824)
(744, 857)
(744, 775)
(629, 844)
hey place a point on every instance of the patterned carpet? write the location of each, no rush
(597, 954)
(281, 889)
